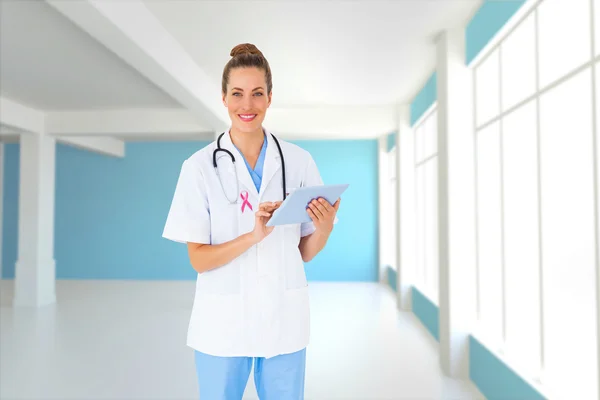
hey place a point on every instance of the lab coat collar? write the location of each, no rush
(271, 166)
(245, 180)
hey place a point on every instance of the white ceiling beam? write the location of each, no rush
(163, 124)
(134, 34)
(21, 118)
(142, 122)
(102, 145)
(347, 122)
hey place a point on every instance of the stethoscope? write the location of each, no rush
(235, 169)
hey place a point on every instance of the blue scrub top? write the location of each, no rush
(257, 172)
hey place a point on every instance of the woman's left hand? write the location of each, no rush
(323, 214)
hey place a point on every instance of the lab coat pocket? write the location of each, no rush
(295, 276)
(215, 326)
(224, 280)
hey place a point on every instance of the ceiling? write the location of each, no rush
(47, 63)
(339, 66)
(321, 52)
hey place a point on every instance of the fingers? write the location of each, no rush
(263, 214)
(318, 212)
(311, 214)
(325, 205)
(269, 206)
(336, 206)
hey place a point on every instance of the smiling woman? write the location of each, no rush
(251, 305)
(250, 96)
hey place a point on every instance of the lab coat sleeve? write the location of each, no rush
(312, 177)
(188, 219)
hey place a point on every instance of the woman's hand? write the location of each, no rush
(262, 216)
(323, 214)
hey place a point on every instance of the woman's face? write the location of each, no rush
(247, 99)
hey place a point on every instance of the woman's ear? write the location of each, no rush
(224, 99)
(270, 97)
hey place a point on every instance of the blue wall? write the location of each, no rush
(110, 212)
(392, 278)
(427, 312)
(391, 141)
(424, 99)
(352, 251)
(491, 16)
(494, 379)
(489, 19)
(10, 217)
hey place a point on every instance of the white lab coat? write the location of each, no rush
(258, 304)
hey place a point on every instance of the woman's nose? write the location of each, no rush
(247, 102)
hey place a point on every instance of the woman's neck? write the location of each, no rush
(249, 144)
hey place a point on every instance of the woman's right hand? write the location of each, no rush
(262, 216)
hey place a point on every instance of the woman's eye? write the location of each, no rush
(236, 94)
(258, 94)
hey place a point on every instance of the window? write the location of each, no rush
(563, 36)
(521, 237)
(567, 194)
(535, 210)
(427, 205)
(487, 89)
(597, 26)
(489, 230)
(518, 72)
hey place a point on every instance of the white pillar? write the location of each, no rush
(35, 269)
(456, 190)
(1, 200)
(382, 175)
(405, 225)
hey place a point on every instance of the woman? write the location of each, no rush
(251, 305)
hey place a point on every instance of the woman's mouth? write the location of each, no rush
(247, 117)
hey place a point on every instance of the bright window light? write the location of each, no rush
(564, 37)
(430, 129)
(489, 229)
(521, 238)
(487, 89)
(518, 64)
(427, 206)
(567, 192)
(420, 143)
(431, 228)
(597, 26)
(420, 240)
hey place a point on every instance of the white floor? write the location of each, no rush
(126, 340)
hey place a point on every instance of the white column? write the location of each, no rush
(382, 169)
(1, 200)
(456, 190)
(406, 228)
(35, 269)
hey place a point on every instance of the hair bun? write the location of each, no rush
(245, 48)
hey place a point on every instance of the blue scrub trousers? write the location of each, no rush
(276, 378)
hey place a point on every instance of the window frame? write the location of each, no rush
(593, 63)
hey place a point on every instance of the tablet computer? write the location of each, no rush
(293, 209)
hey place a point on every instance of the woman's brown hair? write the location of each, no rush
(243, 56)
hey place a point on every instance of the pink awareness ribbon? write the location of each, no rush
(245, 201)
